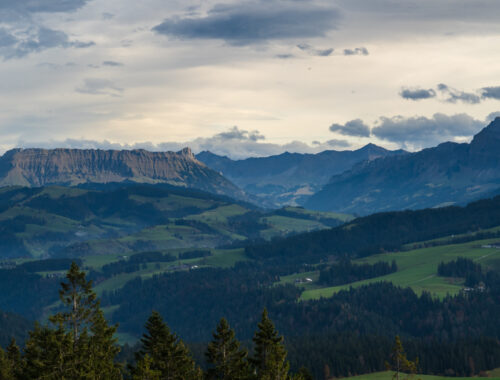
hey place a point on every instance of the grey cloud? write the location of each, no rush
(421, 132)
(81, 45)
(107, 16)
(112, 63)
(97, 86)
(313, 51)
(243, 23)
(241, 145)
(18, 45)
(22, 35)
(240, 134)
(352, 128)
(38, 6)
(417, 93)
(491, 92)
(284, 56)
(334, 143)
(356, 51)
(492, 116)
(454, 95)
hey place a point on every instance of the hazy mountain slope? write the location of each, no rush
(447, 174)
(40, 167)
(289, 178)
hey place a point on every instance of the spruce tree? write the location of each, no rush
(270, 355)
(78, 344)
(225, 358)
(143, 370)
(47, 354)
(399, 362)
(169, 356)
(6, 366)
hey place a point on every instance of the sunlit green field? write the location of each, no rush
(418, 269)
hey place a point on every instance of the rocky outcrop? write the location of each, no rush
(41, 167)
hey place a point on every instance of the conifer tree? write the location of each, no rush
(48, 354)
(224, 356)
(169, 356)
(400, 363)
(78, 344)
(14, 356)
(6, 366)
(270, 355)
(143, 370)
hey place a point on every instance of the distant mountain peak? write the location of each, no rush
(488, 138)
(447, 174)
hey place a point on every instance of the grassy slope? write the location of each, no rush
(417, 268)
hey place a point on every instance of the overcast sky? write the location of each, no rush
(247, 78)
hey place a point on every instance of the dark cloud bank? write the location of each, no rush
(252, 22)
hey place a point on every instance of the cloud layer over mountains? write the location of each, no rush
(308, 75)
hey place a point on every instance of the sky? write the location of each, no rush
(249, 77)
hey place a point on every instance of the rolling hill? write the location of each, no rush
(450, 173)
(120, 218)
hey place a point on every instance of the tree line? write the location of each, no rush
(345, 272)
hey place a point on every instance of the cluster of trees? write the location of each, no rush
(48, 265)
(78, 343)
(194, 254)
(345, 272)
(133, 263)
(461, 267)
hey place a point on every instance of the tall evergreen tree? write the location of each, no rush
(270, 354)
(225, 358)
(79, 344)
(48, 354)
(169, 356)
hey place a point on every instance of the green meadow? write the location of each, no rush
(417, 269)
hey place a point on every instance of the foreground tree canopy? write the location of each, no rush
(78, 343)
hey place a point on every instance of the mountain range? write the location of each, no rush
(71, 167)
(289, 178)
(450, 173)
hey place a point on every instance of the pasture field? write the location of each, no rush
(417, 269)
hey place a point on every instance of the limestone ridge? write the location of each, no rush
(41, 167)
(450, 173)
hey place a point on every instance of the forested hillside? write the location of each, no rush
(123, 218)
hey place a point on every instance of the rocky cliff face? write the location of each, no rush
(447, 174)
(40, 167)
